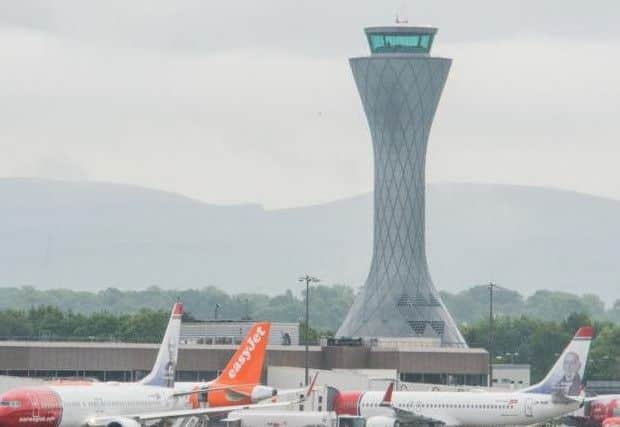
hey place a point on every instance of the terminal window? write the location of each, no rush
(400, 43)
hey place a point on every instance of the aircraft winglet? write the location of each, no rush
(387, 397)
(311, 386)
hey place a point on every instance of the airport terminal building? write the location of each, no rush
(207, 346)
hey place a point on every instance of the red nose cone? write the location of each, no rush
(612, 422)
(30, 407)
(347, 403)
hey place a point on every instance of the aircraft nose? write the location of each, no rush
(6, 417)
(8, 412)
(30, 407)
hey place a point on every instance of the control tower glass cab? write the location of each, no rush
(400, 85)
(386, 40)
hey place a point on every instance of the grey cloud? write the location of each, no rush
(315, 28)
(262, 107)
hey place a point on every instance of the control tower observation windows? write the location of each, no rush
(400, 42)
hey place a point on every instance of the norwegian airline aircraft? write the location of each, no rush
(135, 404)
(558, 394)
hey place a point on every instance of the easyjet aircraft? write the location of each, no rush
(239, 382)
(558, 394)
(153, 398)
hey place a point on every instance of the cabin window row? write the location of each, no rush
(442, 405)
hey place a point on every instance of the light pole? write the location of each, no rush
(217, 308)
(307, 279)
(492, 287)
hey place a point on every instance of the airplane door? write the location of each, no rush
(34, 404)
(528, 407)
(99, 405)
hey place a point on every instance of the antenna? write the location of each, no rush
(401, 15)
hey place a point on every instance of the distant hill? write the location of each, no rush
(85, 235)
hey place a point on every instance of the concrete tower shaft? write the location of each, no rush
(400, 86)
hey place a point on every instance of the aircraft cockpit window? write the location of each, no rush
(10, 403)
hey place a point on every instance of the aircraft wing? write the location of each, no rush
(180, 413)
(209, 388)
(562, 398)
(406, 416)
(186, 413)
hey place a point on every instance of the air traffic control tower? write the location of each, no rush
(400, 84)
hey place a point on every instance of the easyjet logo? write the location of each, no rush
(246, 353)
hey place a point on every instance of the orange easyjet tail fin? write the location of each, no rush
(246, 365)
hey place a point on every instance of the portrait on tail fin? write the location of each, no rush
(164, 369)
(570, 384)
(566, 377)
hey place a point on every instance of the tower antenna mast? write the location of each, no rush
(401, 14)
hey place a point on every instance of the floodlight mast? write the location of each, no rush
(307, 279)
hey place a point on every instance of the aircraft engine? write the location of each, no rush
(123, 422)
(382, 421)
(261, 392)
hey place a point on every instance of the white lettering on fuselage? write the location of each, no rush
(246, 354)
(35, 419)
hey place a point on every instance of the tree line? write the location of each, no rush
(51, 323)
(472, 305)
(328, 304)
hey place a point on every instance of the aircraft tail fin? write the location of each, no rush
(164, 370)
(246, 365)
(387, 397)
(566, 378)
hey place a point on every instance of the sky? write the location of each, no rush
(254, 102)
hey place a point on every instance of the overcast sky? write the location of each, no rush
(253, 101)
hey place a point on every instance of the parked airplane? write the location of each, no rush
(558, 394)
(239, 382)
(114, 404)
(598, 411)
(611, 422)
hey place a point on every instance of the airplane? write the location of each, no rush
(611, 422)
(559, 393)
(239, 382)
(152, 399)
(597, 411)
